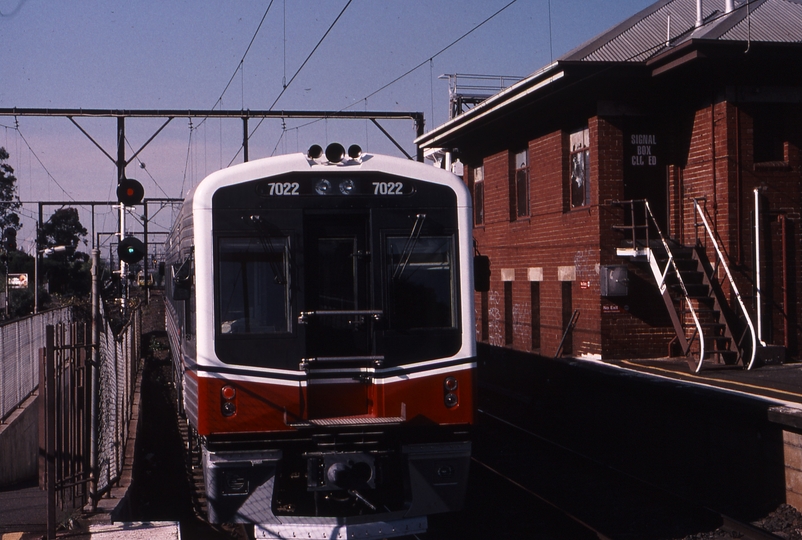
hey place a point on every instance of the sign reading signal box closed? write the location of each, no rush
(645, 173)
(18, 281)
(643, 149)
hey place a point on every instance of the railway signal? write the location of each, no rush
(10, 239)
(130, 192)
(131, 250)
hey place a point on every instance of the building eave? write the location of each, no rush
(538, 80)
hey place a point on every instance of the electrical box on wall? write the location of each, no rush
(614, 280)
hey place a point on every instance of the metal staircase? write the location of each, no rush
(709, 331)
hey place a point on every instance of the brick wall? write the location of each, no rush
(719, 169)
(535, 248)
(710, 158)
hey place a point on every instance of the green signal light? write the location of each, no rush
(131, 250)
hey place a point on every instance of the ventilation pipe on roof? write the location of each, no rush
(698, 13)
(729, 5)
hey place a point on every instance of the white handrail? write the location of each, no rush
(701, 214)
(685, 294)
(758, 282)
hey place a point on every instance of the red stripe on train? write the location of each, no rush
(233, 406)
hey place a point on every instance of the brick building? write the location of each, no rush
(694, 107)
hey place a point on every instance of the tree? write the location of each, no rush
(67, 272)
(63, 229)
(9, 201)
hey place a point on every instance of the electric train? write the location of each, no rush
(321, 322)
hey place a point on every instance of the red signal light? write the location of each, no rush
(130, 192)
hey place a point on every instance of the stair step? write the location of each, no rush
(713, 325)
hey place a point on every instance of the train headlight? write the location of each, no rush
(323, 187)
(450, 384)
(347, 187)
(451, 400)
(315, 151)
(354, 151)
(228, 403)
(335, 152)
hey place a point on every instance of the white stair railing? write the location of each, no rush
(700, 212)
(672, 262)
(661, 275)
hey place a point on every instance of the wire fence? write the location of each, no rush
(88, 399)
(119, 361)
(20, 342)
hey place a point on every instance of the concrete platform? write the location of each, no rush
(779, 382)
(161, 530)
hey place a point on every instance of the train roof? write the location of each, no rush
(298, 162)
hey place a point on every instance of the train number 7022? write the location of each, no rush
(388, 188)
(283, 188)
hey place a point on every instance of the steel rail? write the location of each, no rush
(728, 523)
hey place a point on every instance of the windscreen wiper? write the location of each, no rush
(409, 246)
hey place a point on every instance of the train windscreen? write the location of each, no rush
(421, 282)
(254, 286)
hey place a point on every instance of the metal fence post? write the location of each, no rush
(50, 426)
(94, 367)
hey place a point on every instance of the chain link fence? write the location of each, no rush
(88, 407)
(120, 356)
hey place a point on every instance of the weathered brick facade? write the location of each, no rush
(710, 117)
(711, 162)
(547, 265)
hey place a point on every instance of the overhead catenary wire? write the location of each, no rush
(288, 83)
(284, 89)
(42, 164)
(241, 62)
(186, 161)
(430, 59)
(144, 168)
(438, 53)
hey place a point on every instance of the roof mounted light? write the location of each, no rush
(335, 152)
(354, 151)
(315, 151)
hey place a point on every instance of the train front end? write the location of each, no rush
(333, 369)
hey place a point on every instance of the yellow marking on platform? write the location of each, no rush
(11, 536)
(708, 380)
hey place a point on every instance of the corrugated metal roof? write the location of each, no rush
(640, 38)
(775, 20)
(638, 41)
(670, 22)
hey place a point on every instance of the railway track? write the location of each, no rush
(605, 502)
(526, 485)
(563, 494)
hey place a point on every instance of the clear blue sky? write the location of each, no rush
(181, 54)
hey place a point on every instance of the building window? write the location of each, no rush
(580, 168)
(769, 135)
(535, 276)
(567, 317)
(485, 301)
(479, 195)
(509, 333)
(519, 188)
(534, 296)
